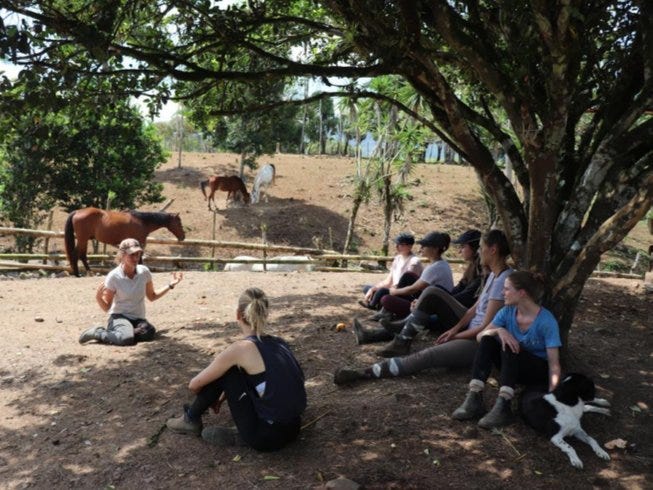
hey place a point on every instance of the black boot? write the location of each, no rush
(380, 315)
(400, 346)
(368, 336)
(471, 408)
(344, 375)
(500, 415)
(394, 326)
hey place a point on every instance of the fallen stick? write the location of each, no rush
(315, 419)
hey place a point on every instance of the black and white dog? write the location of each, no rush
(557, 414)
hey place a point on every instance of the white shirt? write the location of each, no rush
(129, 294)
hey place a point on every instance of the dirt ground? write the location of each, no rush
(92, 416)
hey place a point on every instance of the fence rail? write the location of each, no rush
(322, 259)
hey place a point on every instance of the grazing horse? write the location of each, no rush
(232, 184)
(264, 179)
(112, 227)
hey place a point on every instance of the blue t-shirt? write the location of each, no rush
(542, 334)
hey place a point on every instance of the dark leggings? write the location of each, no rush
(400, 305)
(406, 279)
(523, 368)
(435, 300)
(257, 433)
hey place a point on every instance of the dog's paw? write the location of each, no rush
(602, 454)
(576, 462)
(601, 402)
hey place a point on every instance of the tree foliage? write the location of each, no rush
(72, 155)
(563, 87)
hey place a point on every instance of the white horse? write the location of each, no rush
(250, 265)
(264, 179)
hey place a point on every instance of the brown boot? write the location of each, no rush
(400, 346)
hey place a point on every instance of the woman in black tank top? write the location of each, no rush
(261, 380)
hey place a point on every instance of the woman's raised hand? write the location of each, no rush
(176, 278)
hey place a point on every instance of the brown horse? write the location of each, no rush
(112, 227)
(231, 184)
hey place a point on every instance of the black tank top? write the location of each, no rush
(284, 398)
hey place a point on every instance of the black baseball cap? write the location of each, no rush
(405, 238)
(435, 239)
(469, 236)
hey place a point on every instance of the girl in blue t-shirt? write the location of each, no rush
(523, 342)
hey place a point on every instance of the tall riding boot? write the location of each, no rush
(400, 346)
(380, 315)
(368, 336)
(500, 415)
(394, 326)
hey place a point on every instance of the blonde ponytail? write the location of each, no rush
(253, 306)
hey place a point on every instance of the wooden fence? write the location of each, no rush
(323, 260)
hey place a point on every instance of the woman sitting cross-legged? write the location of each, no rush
(456, 347)
(523, 341)
(404, 262)
(261, 381)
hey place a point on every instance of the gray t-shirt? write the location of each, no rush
(493, 289)
(129, 298)
(438, 274)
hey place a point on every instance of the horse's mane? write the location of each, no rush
(151, 217)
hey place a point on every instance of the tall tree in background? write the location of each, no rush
(563, 87)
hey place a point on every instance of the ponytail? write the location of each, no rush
(253, 306)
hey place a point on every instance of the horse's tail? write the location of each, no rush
(203, 184)
(69, 243)
(243, 189)
(274, 173)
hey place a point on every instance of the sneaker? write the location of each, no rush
(222, 436)
(183, 425)
(90, 334)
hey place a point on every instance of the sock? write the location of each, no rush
(476, 385)
(190, 416)
(384, 369)
(412, 327)
(507, 392)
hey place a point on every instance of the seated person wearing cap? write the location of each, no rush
(461, 297)
(437, 273)
(457, 346)
(405, 269)
(122, 294)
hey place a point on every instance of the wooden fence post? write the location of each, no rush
(46, 243)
